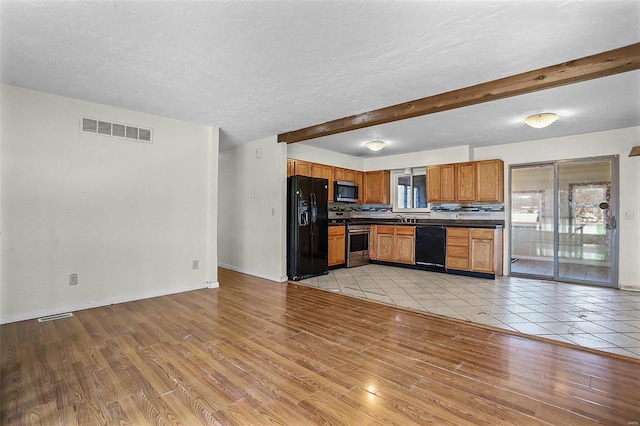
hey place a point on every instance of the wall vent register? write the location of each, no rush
(118, 130)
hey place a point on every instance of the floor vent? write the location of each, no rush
(117, 130)
(55, 317)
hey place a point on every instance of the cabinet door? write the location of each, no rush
(434, 193)
(325, 172)
(482, 255)
(486, 250)
(338, 173)
(350, 175)
(376, 187)
(385, 247)
(448, 182)
(291, 167)
(302, 168)
(359, 180)
(466, 181)
(490, 177)
(405, 249)
(336, 245)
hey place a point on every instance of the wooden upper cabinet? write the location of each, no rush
(376, 187)
(490, 177)
(291, 167)
(359, 180)
(325, 172)
(349, 175)
(466, 182)
(339, 174)
(302, 168)
(441, 186)
(473, 181)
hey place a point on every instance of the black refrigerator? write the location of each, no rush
(307, 227)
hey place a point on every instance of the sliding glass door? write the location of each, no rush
(563, 221)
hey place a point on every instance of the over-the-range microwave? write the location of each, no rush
(346, 192)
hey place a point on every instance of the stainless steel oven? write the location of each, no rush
(357, 245)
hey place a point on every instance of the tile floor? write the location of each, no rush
(594, 317)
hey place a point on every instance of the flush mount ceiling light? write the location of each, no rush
(375, 145)
(541, 120)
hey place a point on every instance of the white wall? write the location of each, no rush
(614, 142)
(300, 151)
(127, 217)
(456, 154)
(252, 230)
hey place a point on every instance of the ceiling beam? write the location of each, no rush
(601, 65)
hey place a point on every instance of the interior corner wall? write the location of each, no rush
(127, 217)
(613, 142)
(252, 215)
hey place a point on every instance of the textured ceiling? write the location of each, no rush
(257, 69)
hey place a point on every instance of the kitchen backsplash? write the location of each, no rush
(438, 211)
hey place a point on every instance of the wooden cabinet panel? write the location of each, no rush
(359, 180)
(482, 255)
(326, 172)
(466, 182)
(475, 249)
(458, 232)
(486, 234)
(291, 167)
(386, 229)
(448, 184)
(474, 181)
(349, 175)
(405, 248)
(457, 248)
(385, 247)
(393, 244)
(337, 252)
(376, 187)
(302, 168)
(434, 184)
(441, 185)
(490, 177)
(339, 174)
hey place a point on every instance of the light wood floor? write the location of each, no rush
(256, 352)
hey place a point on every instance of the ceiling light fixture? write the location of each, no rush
(541, 120)
(375, 145)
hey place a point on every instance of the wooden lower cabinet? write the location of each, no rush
(475, 250)
(337, 245)
(393, 244)
(457, 248)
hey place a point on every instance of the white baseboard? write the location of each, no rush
(22, 316)
(253, 273)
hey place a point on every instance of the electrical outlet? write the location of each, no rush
(194, 264)
(73, 279)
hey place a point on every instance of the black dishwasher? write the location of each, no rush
(431, 247)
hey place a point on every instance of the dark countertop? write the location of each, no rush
(492, 224)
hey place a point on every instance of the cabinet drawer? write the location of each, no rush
(405, 230)
(456, 241)
(482, 234)
(336, 230)
(458, 232)
(457, 263)
(385, 229)
(456, 251)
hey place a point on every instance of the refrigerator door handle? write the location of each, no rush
(314, 211)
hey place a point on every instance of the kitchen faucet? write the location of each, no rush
(402, 218)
